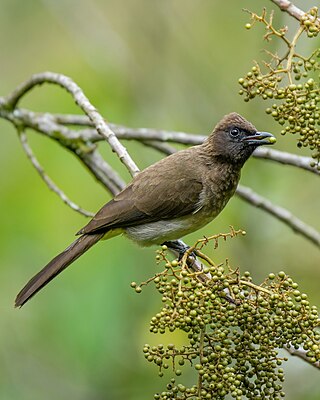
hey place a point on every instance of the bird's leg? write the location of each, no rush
(177, 247)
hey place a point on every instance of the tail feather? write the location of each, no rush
(55, 266)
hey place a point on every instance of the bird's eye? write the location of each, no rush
(234, 132)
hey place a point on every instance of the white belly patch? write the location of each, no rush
(160, 231)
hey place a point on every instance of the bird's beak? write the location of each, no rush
(260, 138)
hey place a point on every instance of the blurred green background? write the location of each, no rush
(168, 64)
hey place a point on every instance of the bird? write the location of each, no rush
(169, 199)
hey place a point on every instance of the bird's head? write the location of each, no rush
(234, 138)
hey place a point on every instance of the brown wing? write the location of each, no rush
(157, 193)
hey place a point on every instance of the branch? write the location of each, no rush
(162, 147)
(124, 132)
(10, 102)
(82, 144)
(301, 353)
(102, 171)
(280, 213)
(283, 157)
(289, 8)
(53, 125)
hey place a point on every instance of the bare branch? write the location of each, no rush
(102, 171)
(280, 213)
(51, 185)
(283, 157)
(72, 119)
(162, 147)
(50, 125)
(301, 353)
(288, 7)
(124, 132)
(82, 144)
(11, 101)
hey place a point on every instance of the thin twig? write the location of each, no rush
(201, 355)
(280, 213)
(51, 185)
(72, 119)
(160, 146)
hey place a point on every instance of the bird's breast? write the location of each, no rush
(164, 230)
(217, 191)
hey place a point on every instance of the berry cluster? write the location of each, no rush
(310, 21)
(298, 106)
(233, 330)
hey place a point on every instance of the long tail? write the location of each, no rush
(57, 265)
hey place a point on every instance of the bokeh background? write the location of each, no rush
(168, 64)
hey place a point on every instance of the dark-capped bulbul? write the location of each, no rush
(171, 198)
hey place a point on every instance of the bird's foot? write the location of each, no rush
(178, 247)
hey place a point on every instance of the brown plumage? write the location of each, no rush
(169, 199)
